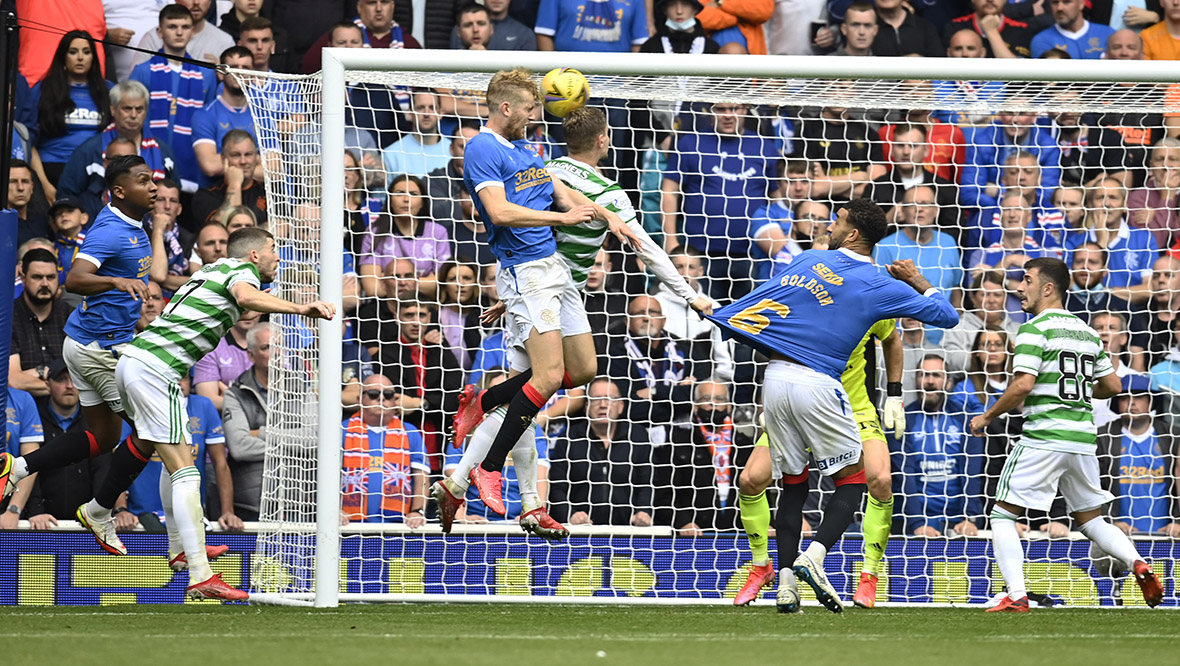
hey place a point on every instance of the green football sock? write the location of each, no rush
(877, 521)
(756, 520)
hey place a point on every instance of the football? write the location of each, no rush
(565, 89)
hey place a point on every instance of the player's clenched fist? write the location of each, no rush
(979, 424)
(319, 310)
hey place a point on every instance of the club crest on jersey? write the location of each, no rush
(134, 240)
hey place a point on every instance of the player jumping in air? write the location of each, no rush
(809, 319)
(150, 369)
(577, 246)
(514, 195)
(1056, 362)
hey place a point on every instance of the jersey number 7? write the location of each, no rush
(752, 321)
(181, 294)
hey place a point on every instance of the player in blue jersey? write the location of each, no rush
(520, 203)
(111, 272)
(808, 319)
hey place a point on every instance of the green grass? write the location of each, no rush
(516, 635)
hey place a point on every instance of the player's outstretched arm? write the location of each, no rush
(251, 298)
(658, 262)
(1018, 389)
(507, 214)
(569, 199)
(84, 281)
(928, 306)
(1108, 386)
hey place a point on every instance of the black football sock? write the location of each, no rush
(501, 393)
(788, 522)
(63, 451)
(524, 406)
(126, 464)
(838, 514)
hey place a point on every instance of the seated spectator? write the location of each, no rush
(655, 370)
(239, 217)
(1072, 33)
(1014, 246)
(83, 173)
(1159, 41)
(1165, 374)
(604, 304)
(59, 492)
(784, 229)
(207, 42)
(966, 43)
(987, 374)
(490, 27)
(443, 183)
(985, 308)
(207, 439)
(988, 151)
(746, 16)
(178, 90)
(30, 224)
(212, 243)
(459, 309)
(423, 149)
(706, 456)
(239, 154)
(374, 108)
(1155, 205)
(1162, 308)
(1088, 293)
(935, 253)
(244, 414)
(901, 32)
(1130, 251)
(227, 112)
(38, 323)
(859, 29)
(1138, 454)
(908, 152)
(152, 306)
(72, 104)
(601, 27)
(600, 471)
(360, 209)
(1112, 330)
(940, 487)
(1118, 145)
(213, 374)
(408, 348)
(23, 435)
(166, 212)
(1054, 227)
(680, 30)
(1003, 37)
(378, 31)
(234, 24)
(469, 234)
(914, 348)
(1073, 138)
(405, 233)
(384, 462)
(945, 145)
(682, 322)
(844, 153)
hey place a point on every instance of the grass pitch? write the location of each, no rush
(516, 635)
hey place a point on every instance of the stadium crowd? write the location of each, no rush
(735, 193)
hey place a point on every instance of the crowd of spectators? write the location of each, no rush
(732, 191)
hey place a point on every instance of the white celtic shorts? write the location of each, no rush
(154, 403)
(1031, 478)
(808, 415)
(92, 369)
(539, 294)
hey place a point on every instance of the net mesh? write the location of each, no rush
(736, 176)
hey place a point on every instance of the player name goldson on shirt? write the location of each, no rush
(1066, 356)
(196, 318)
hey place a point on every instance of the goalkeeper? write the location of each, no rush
(878, 518)
(588, 141)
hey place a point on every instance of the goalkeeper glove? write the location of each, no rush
(894, 410)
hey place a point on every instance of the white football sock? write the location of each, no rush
(524, 461)
(96, 511)
(1112, 540)
(1008, 551)
(186, 502)
(817, 552)
(477, 449)
(175, 547)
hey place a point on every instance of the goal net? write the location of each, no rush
(734, 165)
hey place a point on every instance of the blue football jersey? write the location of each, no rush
(120, 248)
(818, 309)
(490, 160)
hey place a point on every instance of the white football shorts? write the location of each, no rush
(808, 415)
(154, 403)
(1032, 477)
(92, 369)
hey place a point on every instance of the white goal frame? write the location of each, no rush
(337, 61)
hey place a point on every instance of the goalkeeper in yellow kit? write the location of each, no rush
(878, 518)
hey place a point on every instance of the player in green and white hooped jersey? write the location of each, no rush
(578, 246)
(149, 370)
(1057, 360)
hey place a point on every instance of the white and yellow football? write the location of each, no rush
(565, 89)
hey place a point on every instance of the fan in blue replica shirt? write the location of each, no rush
(22, 434)
(111, 273)
(1130, 251)
(1072, 33)
(808, 319)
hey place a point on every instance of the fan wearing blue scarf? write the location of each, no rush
(178, 90)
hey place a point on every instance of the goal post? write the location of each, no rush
(311, 141)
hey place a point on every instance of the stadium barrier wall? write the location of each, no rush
(68, 568)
